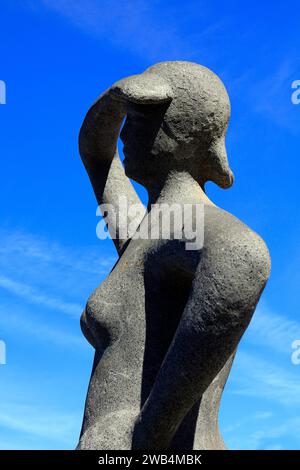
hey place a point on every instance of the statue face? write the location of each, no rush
(145, 143)
(153, 147)
(186, 134)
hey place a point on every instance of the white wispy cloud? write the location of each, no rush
(257, 377)
(268, 435)
(26, 325)
(265, 377)
(38, 276)
(47, 424)
(271, 95)
(142, 27)
(15, 244)
(273, 330)
(245, 420)
(45, 273)
(34, 296)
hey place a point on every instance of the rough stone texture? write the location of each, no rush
(166, 322)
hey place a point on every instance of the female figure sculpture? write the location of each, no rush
(166, 322)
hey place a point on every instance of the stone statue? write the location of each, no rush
(166, 322)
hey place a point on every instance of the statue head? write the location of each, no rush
(177, 118)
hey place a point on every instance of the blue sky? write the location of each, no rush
(56, 57)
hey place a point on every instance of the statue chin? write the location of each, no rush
(226, 181)
(129, 168)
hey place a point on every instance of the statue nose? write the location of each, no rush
(230, 178)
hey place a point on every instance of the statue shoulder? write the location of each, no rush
(230, 245)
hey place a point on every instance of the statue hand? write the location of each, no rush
(145, 88)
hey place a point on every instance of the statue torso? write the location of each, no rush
(134, 313)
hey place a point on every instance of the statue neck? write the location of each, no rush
(177, 187)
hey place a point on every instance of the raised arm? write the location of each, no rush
(98, 148)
